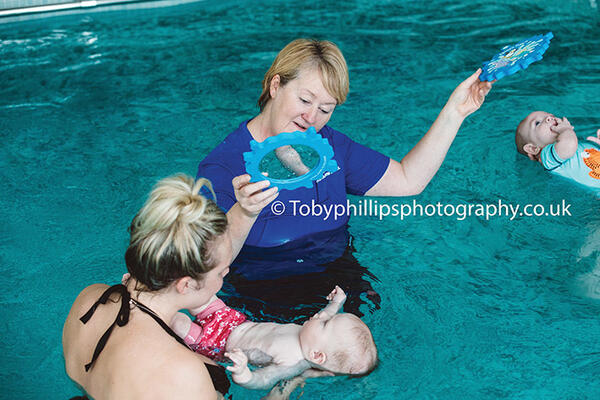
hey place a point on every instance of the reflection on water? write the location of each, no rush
(289, 283)
(588, 284)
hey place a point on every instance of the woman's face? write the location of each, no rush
(220, 249)
(301, 103)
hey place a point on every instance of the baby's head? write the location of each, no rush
(534, 133)
(341, 344)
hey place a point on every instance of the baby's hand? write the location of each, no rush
(563, 125)
(337, 295)
(336, 299)
(595, 139)
(239, 370)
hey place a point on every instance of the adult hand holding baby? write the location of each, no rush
(595, 139)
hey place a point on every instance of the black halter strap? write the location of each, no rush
(160, 321)
(122, 318)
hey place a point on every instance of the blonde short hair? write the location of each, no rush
(356, 354)
(171, 233)
(309, 53)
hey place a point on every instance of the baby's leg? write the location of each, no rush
(290, 159)
(183, 326)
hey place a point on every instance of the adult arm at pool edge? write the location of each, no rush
(411, 175)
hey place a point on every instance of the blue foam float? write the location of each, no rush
(513, 59)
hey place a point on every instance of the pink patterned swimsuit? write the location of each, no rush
(217, 321)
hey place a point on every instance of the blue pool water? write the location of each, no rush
(95, 108)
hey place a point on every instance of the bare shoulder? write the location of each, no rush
(187, 377)
(86, 298)
(90, 294)
(75, 344)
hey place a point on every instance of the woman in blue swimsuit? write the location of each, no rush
(302, 88)
(117, 342)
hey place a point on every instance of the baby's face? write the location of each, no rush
(536, 130)
(318, 332)
(325, 335)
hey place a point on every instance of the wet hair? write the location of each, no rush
(172, 233)
(309, 53)
(356, 354)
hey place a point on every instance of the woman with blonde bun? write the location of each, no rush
(116, 339)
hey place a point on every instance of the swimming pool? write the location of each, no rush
(95, 108)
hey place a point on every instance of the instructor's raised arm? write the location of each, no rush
(411, 175)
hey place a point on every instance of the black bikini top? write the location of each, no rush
(217, 374)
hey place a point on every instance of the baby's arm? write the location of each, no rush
(336, 298)
(566, 142)
(595, 139)
(290, 159)
(262, 378)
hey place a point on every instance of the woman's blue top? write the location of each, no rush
(359, 169)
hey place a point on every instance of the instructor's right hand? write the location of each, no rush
(253, 197)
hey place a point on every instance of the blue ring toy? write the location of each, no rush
(309, 138)
(512, 59)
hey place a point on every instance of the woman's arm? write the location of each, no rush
(184, 378)
(284, 389)
(264, 377)
(251, 199)
(411, 175)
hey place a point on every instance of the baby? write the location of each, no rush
(329, 342)
(552, 142)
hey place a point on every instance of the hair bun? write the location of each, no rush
(171, 232)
